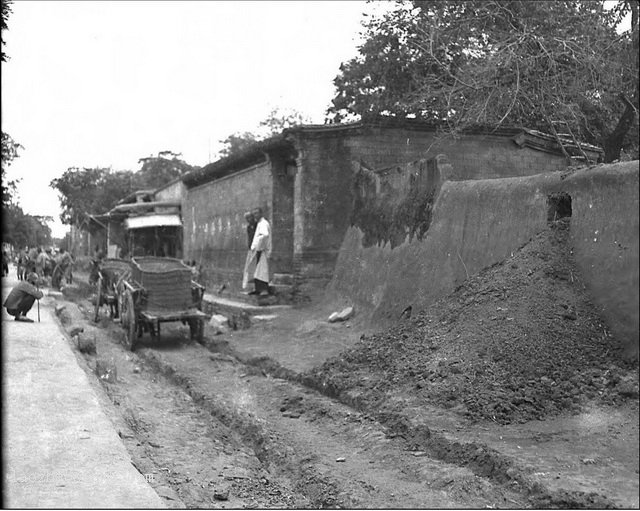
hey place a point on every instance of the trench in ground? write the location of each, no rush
(297, 480)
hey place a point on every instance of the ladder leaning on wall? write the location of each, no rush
(563, 143)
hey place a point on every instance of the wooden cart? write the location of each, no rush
(159, 290)
(111, 274)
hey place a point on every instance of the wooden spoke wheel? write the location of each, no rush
(128, 319)
(96, 316)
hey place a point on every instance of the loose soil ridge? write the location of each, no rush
(518, 342)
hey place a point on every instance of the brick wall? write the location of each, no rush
(215, 233)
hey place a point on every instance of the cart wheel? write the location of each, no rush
(96, 316)
(128, 319)
(196, 326)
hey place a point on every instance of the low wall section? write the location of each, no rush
(478, 223)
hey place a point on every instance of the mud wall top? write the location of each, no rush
(478, 223)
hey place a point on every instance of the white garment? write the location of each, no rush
(262, 243)
(249, 268)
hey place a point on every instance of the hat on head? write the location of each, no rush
(32, 278)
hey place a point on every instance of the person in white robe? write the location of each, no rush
(261, 245)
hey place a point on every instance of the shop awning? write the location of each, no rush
(139, 222)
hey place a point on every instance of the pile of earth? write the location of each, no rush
(517, 342)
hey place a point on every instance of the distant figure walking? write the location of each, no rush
(261, 244)
(22, 297)
(62, 270)
(250, 260)
(21, 265)
(5, 263)
(41, 263)
(31, 262)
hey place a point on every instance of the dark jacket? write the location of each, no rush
(251, 230)
(22, 291)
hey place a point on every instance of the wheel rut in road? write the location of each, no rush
(419, 435)
(335, 455)
(217, 431)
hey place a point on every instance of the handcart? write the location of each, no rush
(159, 290)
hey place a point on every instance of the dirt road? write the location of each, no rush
(217, 433)
(219, 425)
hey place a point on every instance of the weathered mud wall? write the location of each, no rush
(478, 223)
(328, 167)
(604, 231)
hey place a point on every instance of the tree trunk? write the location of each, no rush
(614, 142)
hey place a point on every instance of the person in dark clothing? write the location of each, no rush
(22, 297)
(250, 261)
(251, 227)
(98, 254)
(5, 263)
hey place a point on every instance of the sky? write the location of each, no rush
(102, 84)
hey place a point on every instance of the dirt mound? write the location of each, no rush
(517, 342)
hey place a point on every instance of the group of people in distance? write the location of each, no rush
(34, 267)
(256, 267)
(44, 263)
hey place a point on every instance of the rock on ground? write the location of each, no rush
(106, 370)
(86, 345)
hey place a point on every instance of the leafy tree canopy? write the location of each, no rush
(6, 11)
(85, 191)
(276, 121)
(90, 190)
(9, 153)
(515, 62)
(22, 230)
(237, 142)
(157, 171)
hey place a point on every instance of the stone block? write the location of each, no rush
(86, 344)
(346, 313)
(240, 321)
(219, 323)
(343, 315)
(107, 370)
(75, 330)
